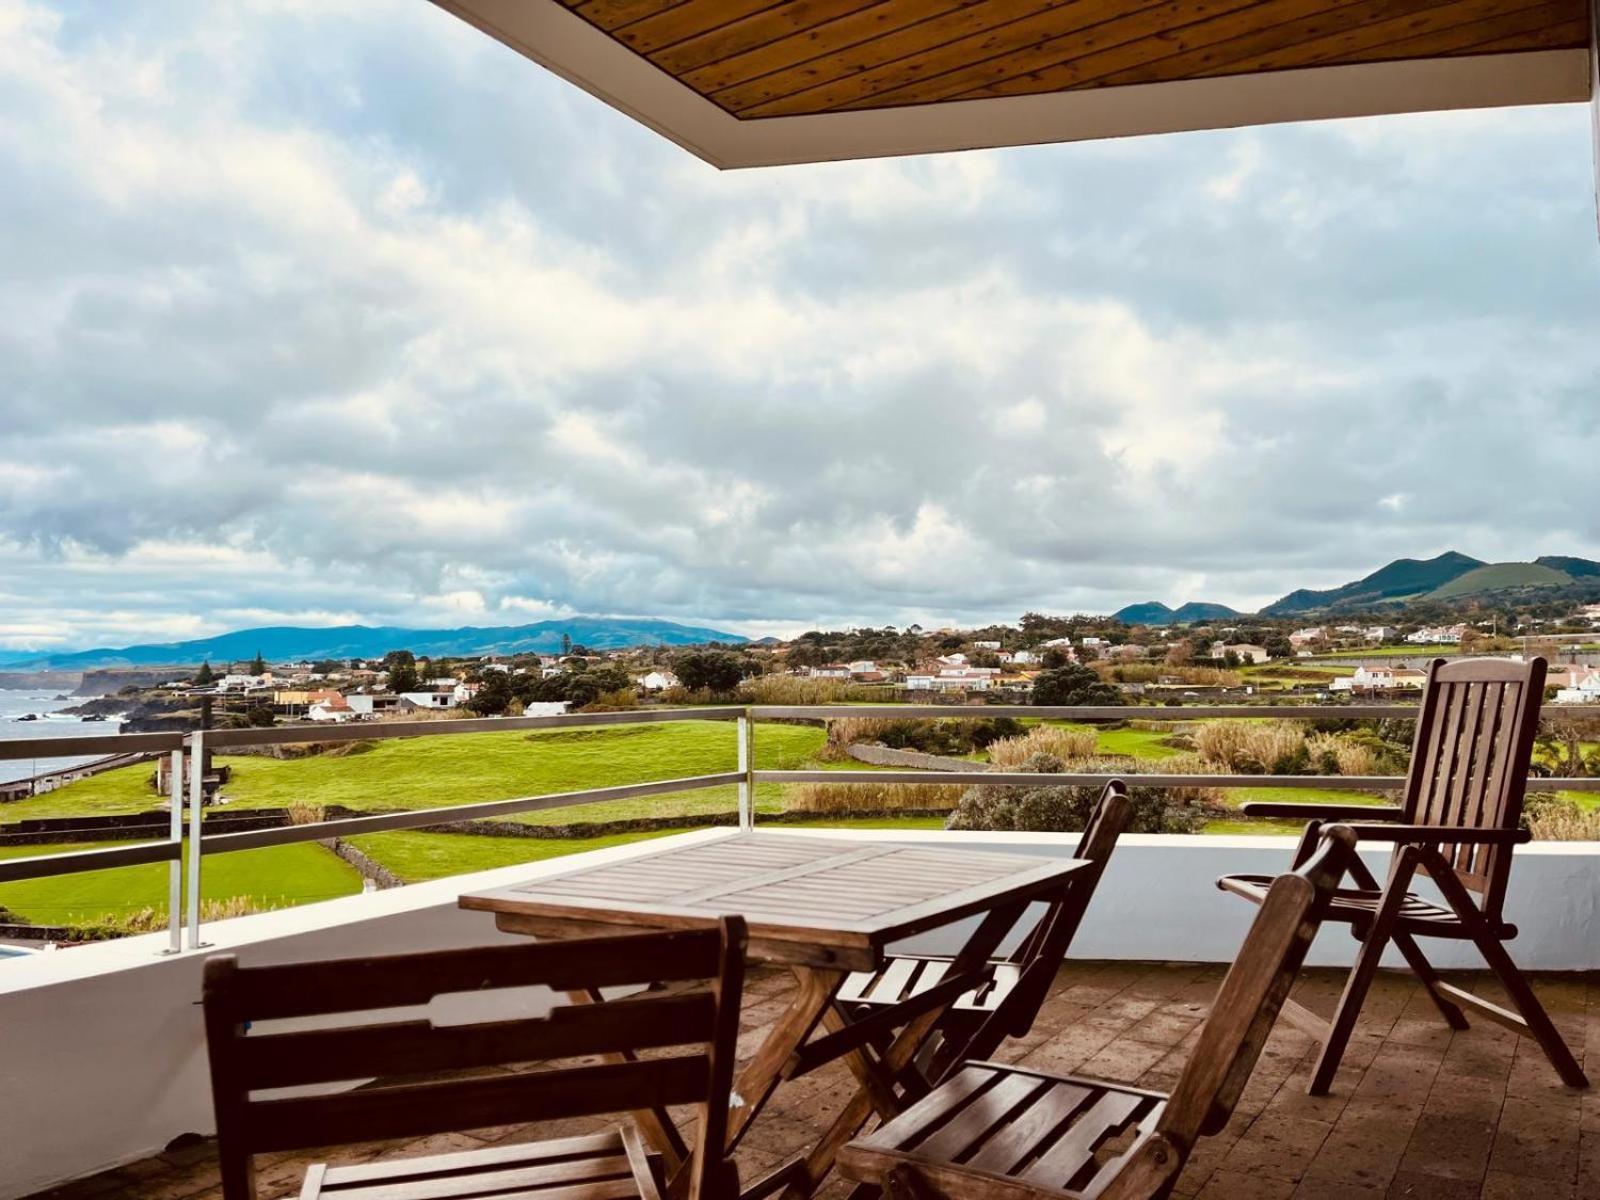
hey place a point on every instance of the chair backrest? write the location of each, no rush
(369, 1040)
(1054, 931)
(1469, 760)
(1253, 992)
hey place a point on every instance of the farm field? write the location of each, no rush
(465, 768)
(276, 877)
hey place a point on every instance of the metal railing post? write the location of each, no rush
(197, 785)
(747, 772)
(175, 791)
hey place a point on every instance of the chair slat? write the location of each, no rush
(609, 1142)
(457, 1185)
(913, 1124)
(982, 1113)
(1074, 1150)
(1019, 1141)
(401, 980)
(416, 1110)
(415, 1047)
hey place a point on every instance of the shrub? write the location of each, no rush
(1065, 808)
(873, 797)
(1334, 754)
(929, 735)
(1069, 745)
(304, 812)
(1072, 685)
(1557, 819)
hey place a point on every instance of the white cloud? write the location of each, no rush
(427, 335)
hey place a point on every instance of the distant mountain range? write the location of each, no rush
(1450, 576)
(287, 643)
(1153, 612)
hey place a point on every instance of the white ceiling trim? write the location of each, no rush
(549, 34)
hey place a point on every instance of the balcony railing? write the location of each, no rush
(186, 852)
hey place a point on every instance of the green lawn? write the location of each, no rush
(418, 856)
(465, 768)
(1130, 743)
(276, 877)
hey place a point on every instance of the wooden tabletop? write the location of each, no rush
(807, 900)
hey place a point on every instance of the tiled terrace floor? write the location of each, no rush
(1417, 1112)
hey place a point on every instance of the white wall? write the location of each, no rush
(102, 1055)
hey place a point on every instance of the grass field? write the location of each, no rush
(465, 768)
(272, 878)
(418, 856)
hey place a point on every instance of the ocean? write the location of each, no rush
(52, 723)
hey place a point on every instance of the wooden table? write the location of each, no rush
(824, 908)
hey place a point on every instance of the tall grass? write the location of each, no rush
(1069, 745)
(791, 689)
(873, 797)
(1259, 748)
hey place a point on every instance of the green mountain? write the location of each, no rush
(1578, 568)
(1153, 612)
(1403, 579)
(1501, 577)
(286, 643)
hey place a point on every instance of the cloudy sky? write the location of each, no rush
(329, 311)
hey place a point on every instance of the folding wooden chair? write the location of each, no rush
(412, 1077)
(1005, 1006)
(992, 1130)
(1457, 824)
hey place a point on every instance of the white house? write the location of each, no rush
(1584, 691)
(952, 660)
(1304, 637)
(1437, 635)
(986, 645)
(1380, 679)
(1379, 633)
(863, 666)
(334, 710)
(1243, 651)
(431, 699)
(658, 681)
(830, 671)
(976, 680)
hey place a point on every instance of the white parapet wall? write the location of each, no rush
(102, 1054)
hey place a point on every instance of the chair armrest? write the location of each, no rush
(1322, 812)
(1437, 834)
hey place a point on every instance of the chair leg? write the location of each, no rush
(1527, 1003)
(1361, 974)
(1423, 970)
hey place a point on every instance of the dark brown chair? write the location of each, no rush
(1457, 822)
(407, 1077)
(996, 1131)
(1005, 1006)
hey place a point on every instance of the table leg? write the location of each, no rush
(990, 933)
(759, 1078)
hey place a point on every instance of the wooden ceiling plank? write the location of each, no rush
(991, 45)
(685, 21)
(1365, 45)
(1202, 53)
(1127, 31)
(611, 15)
(1542, 26)
(1562, 36)
(753, 32)
(847, 45)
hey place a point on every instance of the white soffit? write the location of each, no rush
(546, 32)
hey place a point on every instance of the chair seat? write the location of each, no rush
(605, 1166)
(910, 975)
(994, 1127)
(1357, 906)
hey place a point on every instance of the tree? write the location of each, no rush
(205, 675)
(708, 670)
(327, 666)
(1053, 658)
(566, 645)
(258, 665)
(402, 668)
(1072, 685)
(494, 695)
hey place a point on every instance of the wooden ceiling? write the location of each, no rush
(760, 59)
